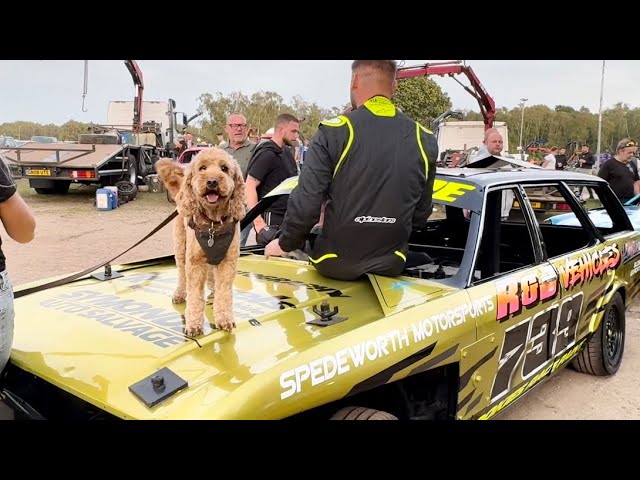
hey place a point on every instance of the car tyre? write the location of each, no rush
(127, 190)
(602, 355)
(362, 413)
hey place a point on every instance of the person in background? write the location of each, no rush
(561, 158)
(239, 147)
(20, 225)
(271, 163)
(620, 171)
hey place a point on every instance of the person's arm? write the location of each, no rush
(15, 214)
(604, 172)
(251, 196)
(305, 202)
(424, 207)
(258, 171)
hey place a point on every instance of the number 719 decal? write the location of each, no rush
(530, 344)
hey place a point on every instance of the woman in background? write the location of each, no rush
(20, 225)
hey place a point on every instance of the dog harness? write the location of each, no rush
(215, 243)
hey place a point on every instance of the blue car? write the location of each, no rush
(599, 216)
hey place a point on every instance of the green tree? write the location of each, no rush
(71, 131)
(422, 99)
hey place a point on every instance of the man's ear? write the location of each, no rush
(394, 87)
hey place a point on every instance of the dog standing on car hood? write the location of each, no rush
(210, 199)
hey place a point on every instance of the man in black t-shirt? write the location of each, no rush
(270, 164)
(620, 172)
(585, 158)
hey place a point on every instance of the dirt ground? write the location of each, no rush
(72, 236)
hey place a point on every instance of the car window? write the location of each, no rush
(506, 237)
(444, 243)
(559, 238)
(601, 206)
(188, 156)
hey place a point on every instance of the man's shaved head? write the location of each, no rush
(372, 77)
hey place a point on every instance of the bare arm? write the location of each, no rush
(17, 218)
(251, 195)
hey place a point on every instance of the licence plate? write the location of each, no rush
(41, 172)
(516, 204)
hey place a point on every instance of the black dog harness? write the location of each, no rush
(215, 243)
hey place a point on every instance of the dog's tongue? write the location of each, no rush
(212, 197)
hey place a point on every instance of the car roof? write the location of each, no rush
(484, 177)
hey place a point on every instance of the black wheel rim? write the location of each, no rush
(612, 336)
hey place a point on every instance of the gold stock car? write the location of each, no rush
(505, 302)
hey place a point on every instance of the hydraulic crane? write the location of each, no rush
(136, 75)
(487, 104)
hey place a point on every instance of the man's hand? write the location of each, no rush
(273, 249)
(259, 224)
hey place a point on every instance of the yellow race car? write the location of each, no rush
(504, 301)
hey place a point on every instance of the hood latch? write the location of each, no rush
(327, 316)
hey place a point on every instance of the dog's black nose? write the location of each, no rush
(212, 184)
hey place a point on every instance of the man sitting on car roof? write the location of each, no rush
(375, 167)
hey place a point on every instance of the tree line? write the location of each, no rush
(421, 98)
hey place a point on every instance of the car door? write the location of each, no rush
(512, 351)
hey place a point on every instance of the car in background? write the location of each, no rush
(600, 216)
(43, 139)
(8, 142)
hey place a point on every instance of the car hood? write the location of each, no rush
(103, 341)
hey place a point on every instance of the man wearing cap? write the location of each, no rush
(620, 171)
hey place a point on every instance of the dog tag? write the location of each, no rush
(210, 241)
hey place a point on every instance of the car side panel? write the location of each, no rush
(516, 347)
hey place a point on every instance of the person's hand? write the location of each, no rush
(259, 224)
(273, 249)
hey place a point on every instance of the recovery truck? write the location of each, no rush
(121, 150)
(542, 201)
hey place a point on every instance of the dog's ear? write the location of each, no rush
(186, 199)
(171, 174)
(238, 201)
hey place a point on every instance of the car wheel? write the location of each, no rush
(362, 413)
(603, 353)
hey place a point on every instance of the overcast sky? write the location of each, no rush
(50, 91)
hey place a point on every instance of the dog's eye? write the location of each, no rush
(202, 168)
(224, 168)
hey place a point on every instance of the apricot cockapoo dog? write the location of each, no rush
(209, 196)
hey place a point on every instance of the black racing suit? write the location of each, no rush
(375, 167)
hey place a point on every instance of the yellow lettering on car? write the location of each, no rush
(445, 191)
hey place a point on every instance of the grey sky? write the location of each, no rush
(50, 91)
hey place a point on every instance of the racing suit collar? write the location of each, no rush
(381, 106)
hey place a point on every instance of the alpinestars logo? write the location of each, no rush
(370, 219)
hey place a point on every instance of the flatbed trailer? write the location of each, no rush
(51, 168)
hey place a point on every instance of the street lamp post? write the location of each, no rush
(522, 101)
(600, 117)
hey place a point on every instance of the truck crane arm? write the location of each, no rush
(136, 75)
(487, 104)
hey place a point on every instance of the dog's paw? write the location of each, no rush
(193, 330)
(225, 322)
(179, 296)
